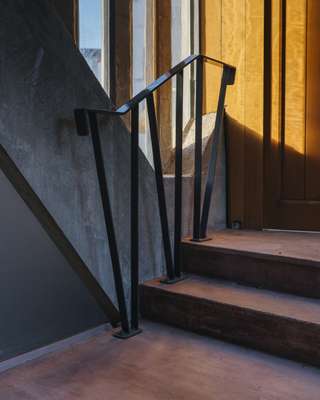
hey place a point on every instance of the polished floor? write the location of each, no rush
(163, 363)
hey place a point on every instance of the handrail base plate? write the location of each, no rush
(126, 335)
(168, 281)
(205, 239)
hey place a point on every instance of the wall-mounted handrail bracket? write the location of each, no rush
(230, 75)
(87, 124)
(81, 116)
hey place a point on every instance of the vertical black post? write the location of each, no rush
(109, 221)
(160, 186)
(178, 175)
(226, 77)
(198, 151)
(134, 218)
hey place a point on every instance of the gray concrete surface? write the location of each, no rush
(41, 299)
(43, 79)
(217, 214)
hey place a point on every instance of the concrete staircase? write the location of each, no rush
(265, 301)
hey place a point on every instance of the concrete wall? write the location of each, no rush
(43, 78)
(41, 299)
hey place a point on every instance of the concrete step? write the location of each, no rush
(296, 275)
(278, 323)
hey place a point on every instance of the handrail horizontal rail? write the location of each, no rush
(129, 105)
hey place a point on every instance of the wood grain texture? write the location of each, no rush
(295, 97)
(163, 64)
(279, 324)
(292, 161)
(233, 30)
(297, 246)
(312, 187)
(211, 45)
(270, 261)
(253, 114)
(121, 50)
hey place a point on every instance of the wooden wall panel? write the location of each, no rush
(120, 41)
(312, 188)
(272, 136)
(235, 29)
(291, 156)
(253, 110)
(211, 45)
(163, 64)
(233, 51)
(275, 71)
(294, 95)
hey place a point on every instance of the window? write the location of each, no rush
(91, 34)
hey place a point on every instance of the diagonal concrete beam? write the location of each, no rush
(56, 234)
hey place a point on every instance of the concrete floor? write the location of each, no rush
(297, 245)
(163, 363)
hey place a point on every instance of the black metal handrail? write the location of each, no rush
(87, 123)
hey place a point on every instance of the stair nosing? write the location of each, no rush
(254, 254)
(150, 284)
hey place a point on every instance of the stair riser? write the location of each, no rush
(268, 273)
(270, 333)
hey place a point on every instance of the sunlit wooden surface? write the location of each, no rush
(233, 31)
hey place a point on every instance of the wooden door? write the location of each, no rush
(292, 149)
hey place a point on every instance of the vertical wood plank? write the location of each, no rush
(163, 63)
(233, 52)
(253, 113)
(211, 45)
(272, 138)
(293, 146)
(121, 52)
(151, 67)
(275, 71)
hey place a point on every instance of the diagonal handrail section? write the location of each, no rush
(87, 124)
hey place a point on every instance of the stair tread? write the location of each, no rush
(300, 248)
(266, 301)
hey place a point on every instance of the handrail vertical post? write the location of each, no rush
(198, 150)
(178, 175)
(134, 228)
(160, 186)
(108, 219)
(87, 123)
(227, 78)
